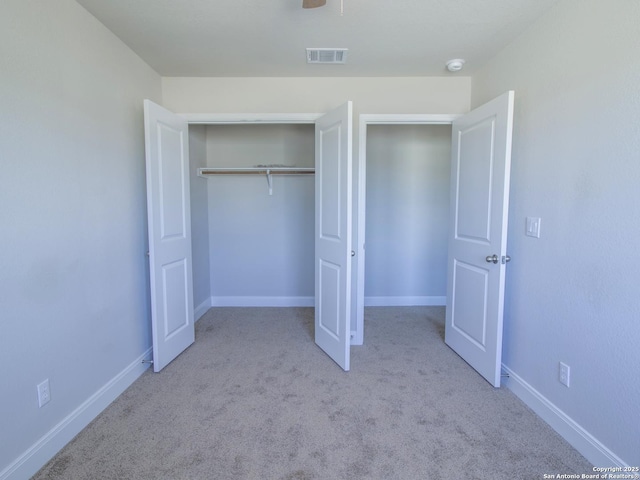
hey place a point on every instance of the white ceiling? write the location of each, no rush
(267, 38)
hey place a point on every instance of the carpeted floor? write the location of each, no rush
(254, 398)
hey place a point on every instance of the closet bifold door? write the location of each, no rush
(169, 228)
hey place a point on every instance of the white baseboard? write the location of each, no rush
(585, 443)
(309, 302)
(51, 443)
(262, 301)
(430, 301)
(201, 309)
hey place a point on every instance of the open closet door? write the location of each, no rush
(169, 223)
(333, 234)
(480, 168)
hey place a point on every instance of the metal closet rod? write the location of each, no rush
(255, 171)
(268, 171)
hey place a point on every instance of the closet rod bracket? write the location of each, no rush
(270, 182)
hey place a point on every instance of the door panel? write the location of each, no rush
(471, 321)
(329, 305)
(333, 234)
(475, 181)
(330, 201)
(481, 159)
(175, 306)
(170, 183)
(169, 225)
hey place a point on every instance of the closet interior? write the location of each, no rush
(253, 234)
(407, 214)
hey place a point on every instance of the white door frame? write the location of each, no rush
(377, 119)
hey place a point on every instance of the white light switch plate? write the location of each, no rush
(533, 227)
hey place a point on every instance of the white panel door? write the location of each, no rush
(481, 159)
(333, 234)
(169, 224)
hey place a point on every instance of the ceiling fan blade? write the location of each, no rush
(313, 3)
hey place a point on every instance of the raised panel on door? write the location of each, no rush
(469, 313)
(171, 184)
(475, 169)
(329, 299)
(175, 310)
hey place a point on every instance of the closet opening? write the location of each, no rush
(252, 235)
(403, 210)
(407, 213)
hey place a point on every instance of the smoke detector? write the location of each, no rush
(455, 65)
(327, 55)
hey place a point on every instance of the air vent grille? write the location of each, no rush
(327, 55)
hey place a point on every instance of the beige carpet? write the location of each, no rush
(254, 398)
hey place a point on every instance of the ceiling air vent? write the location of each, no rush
(327, 55)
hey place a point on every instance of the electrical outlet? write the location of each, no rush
(44, 393)
(564, 374)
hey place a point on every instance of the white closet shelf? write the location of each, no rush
(268, 171)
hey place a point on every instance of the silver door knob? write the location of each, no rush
(492, 258)
(353, 253)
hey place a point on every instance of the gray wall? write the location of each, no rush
(73, 271)
(572, 295)
(407, 211)
(446, 94)
(261, 245)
